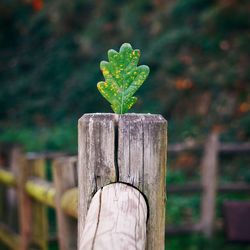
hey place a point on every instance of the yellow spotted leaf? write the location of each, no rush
(123, 77)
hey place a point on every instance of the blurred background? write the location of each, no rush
(198, 53)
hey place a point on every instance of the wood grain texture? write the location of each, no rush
(65, 178)
(141, 158)
(209, 167)
(116, 220)
(142, 163)
(96, 147)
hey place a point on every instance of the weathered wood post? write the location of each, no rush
(209, 168)
(15, 156)
(65, 178)
(33, 215)
(8, 178)
(127, 148)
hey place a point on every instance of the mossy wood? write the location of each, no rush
(41, 191)
(7, 178)
(122, 78)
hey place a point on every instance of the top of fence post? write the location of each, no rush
(127, 148)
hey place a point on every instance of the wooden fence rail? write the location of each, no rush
(34, 193)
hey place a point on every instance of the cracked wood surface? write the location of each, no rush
(142, 163)
(116, 219)
(127, 148)
(96, 147)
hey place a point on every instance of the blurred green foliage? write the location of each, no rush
(197, 51)
(55, 138)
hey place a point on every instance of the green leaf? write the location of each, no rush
(122, 78)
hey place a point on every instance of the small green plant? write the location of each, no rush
(122, 78)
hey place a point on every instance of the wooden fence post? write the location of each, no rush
(9, 226)
(65, 178)
(209, 167)
(33, 215)
(15, 156)
(96, 166)
(8, 205)
(128, 148)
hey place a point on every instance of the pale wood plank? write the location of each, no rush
(65, 178)
(142, 163)
(116, 220)
(96, 147)
(209, 167)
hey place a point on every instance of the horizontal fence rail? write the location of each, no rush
(197, 188)
(7, 178)
(223, 147)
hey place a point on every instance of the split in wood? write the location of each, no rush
(140, 153)
(116, 218)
